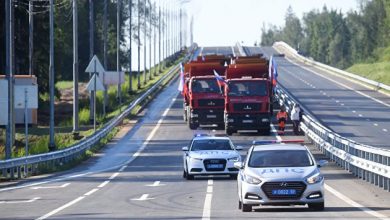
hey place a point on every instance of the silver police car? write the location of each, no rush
(279, 175)
(210, 155)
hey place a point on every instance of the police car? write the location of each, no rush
(210, 155)
(280, 174)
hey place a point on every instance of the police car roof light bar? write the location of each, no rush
(265, 142)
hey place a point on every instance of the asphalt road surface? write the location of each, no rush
(139, 176)
(347, 108)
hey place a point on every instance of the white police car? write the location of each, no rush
(210, 155)
(280, 174)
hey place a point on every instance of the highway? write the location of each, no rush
(139, 176)
(347, 108)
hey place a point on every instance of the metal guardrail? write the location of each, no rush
(293, 52)
(366, 162)
(20, 165)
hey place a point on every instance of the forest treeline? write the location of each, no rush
(334, 38)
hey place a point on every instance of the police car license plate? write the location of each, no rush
(214, 166)
(211, 116)
(247, 121)
(284, 192)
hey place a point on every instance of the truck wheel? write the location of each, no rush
(192, 126)
(266, 131)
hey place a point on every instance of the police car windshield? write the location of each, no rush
(247, 88)
(205, 86)
(280, 158)
(211, 144)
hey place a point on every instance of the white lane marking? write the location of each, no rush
(375, 124)
(61, 208)
(207, 201)
(122, 168)
(20, 201)
(127, 162)
(144, 197)
(354, 111)
(341, 84)
(103, 184)
(91, 192)
(155, 184)
(384, 129)
(276, 132)
(342, 104)
(51, 187)
(113, 176)
(337, 101)
(360, 115)
(354, 204)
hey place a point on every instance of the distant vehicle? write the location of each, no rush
(210, 155)
(279, 175)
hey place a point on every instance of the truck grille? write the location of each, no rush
(299, 187)
(214, 164)
(211, 102)
(246, 106)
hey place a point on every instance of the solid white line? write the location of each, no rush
(113, 176)
(122, 168)
(91, 192)
(207, 206)
(61, 208)
(103, 184)
(354, 204)
(341, 84)
(20, 201)
(209, 189)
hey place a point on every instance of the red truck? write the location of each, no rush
(248, 96)
(203, 98)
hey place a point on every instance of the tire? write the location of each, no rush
(317, 206)
(184, 174)
(228, 131)
(239, 205)
(189, 177)
(246, 208)
(192, 126)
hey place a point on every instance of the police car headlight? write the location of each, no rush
(316, 178)
(195, 159)
(234, 159)
(251, 180)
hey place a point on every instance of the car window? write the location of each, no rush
(280, 158)
(211, 144)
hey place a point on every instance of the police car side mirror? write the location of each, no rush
(184, 148)
(239, 165)
(239, 148)
(322, 163)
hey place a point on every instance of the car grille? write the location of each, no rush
(221, 163)
(211, 102)
(298, 186)
(247, 106)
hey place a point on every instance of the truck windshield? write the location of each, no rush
(246, 88)
(205, 86)
(280, 158)
(211, 144)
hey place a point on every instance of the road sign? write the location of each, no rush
(112, 77)
(32, 96)
(95, 66)
(3, 102)
(91, 84)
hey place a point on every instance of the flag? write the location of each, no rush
(221, 81)
(181, 82)
(273, 71)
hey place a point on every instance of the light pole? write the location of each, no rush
(91, 52)
(52, 146)
(75, 71)
(144, 42)
(105, 54)
(130, 41)
(150, 40)
(30, 36)
(118, 64)
(139, 46)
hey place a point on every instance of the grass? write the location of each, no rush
(64, 85)
(379, 71)
(39, 138)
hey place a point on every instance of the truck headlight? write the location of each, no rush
(315, 178)
(230, 120)
(251, 180)
(234, 159)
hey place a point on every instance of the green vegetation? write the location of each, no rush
(64, 85)
(341, 40)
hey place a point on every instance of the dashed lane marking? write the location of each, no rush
(51, 187)
(20, 201)
(91, 192)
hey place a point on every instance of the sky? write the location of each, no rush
(225, 22)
